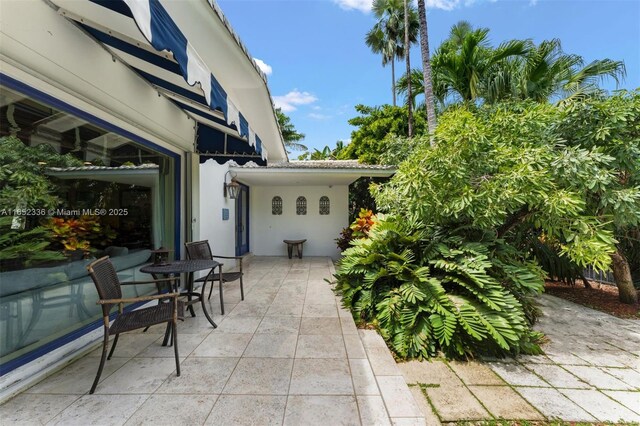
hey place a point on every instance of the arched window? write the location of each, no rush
(301, 206)
(325, 205)
(276, 205)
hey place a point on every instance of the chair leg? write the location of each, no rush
(241, 289)
(221, 296)
(113, 348)
(210, 291)
(174, 327)
(105, 344)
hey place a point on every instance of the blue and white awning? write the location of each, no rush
(167, 59)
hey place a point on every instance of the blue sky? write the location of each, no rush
(319, 67)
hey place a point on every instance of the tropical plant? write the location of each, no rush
(567, 172)
(343, 241)
(462, 69)
(325, 154)
(407, 58)
(375, 124)
(290, 135)
(462, 292)
(387, 35)
(610, 126)
(546, 73)
(466, 68)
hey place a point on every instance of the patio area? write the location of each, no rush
(287, 354)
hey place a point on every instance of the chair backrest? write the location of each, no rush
(106, 280)
(198, 250)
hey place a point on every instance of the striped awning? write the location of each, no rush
(142, 34)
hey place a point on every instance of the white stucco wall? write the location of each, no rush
(267, 230)
(42, 49)
(220, 233)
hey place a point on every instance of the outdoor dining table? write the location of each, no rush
(188, 266)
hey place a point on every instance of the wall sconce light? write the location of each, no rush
(232, 188)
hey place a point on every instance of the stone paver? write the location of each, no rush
(429, 372)
(475, 373)
(517, 375)
(601, 406)
(430, 417)
(631, 400)
(455, 403)
(504, 402)
(557, 376)
(554, 405)
(287, 354)
(397, 397)
(598, 378)
(321, 410)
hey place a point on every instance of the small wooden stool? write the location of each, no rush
(297, 243)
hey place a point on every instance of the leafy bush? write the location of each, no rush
(428, 289)
(344, 239)
(358, 229)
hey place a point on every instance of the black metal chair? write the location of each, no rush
(202, 250)
(108, 285)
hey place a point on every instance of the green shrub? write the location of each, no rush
(462, 292)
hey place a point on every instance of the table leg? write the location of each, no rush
(289, 250)
(203, 302)
(221, 296)
(190, 292)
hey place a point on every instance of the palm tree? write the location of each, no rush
(546, 73)
(379, 42)
(408, 60)
(387, 35)
(426, 70)
(463, 69)
(290, 135)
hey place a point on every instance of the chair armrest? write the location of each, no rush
(137, 299)
(161, 280)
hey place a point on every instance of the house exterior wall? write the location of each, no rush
(267, 230)
(220, 233)
(43, 49)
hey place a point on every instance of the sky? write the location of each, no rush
(318, 66)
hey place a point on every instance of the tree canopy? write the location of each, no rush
(466, 67)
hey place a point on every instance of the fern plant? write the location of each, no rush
(462, 292)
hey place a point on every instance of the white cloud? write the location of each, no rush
(263, 66)
(365, 5)
(289, 101)
(361, 5)
(317, 116)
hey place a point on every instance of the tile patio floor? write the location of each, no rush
(287, 354)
